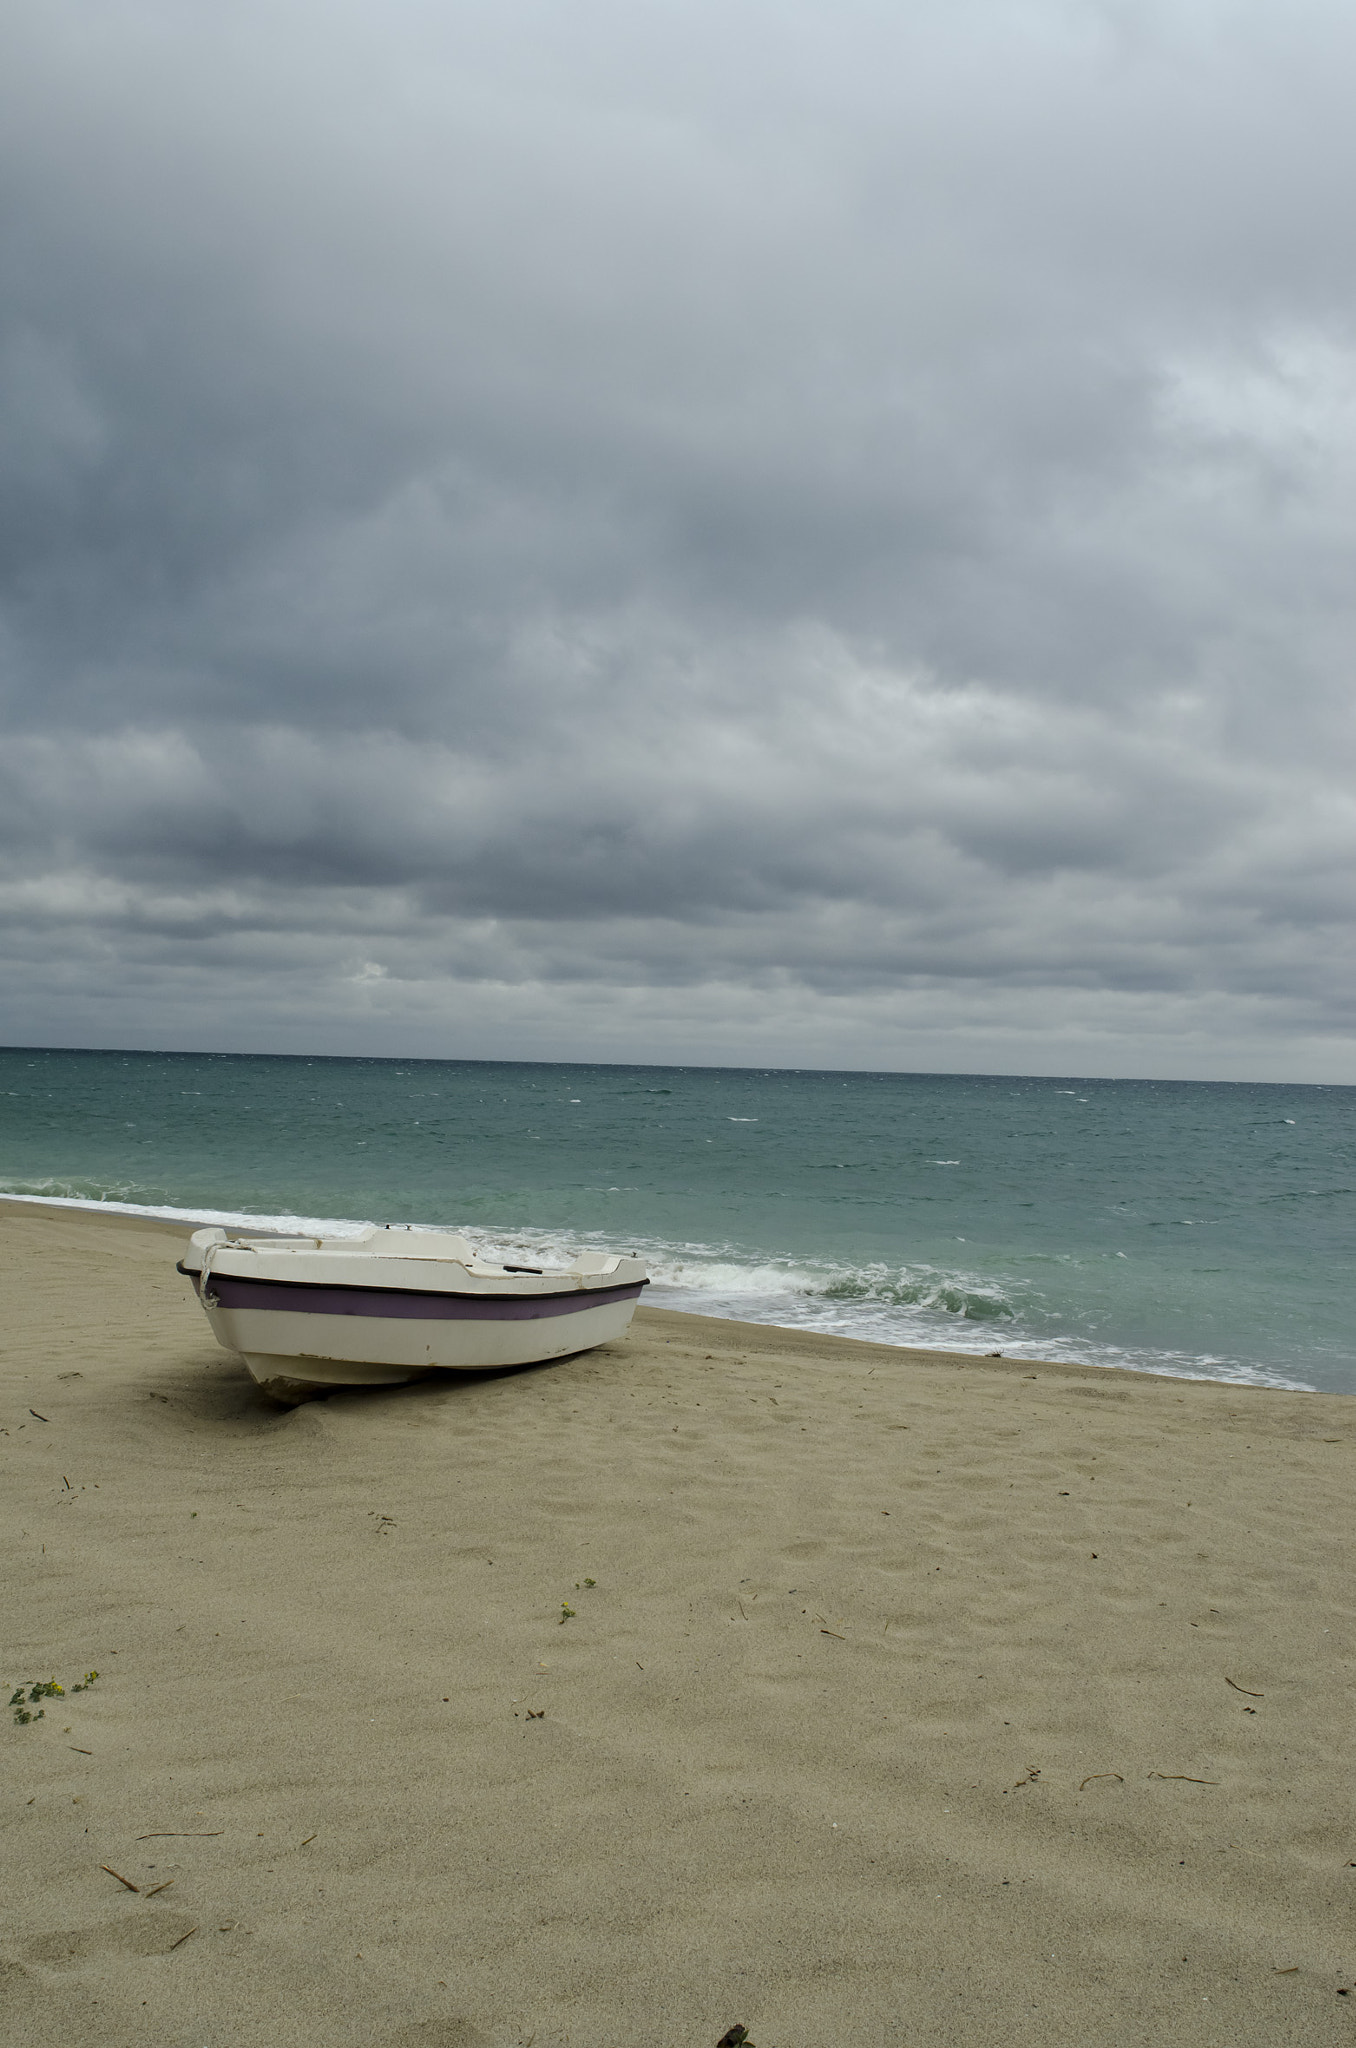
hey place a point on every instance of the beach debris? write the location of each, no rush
(1243, 1689)
(1290, 1970)
(735, 2037)
(182, 1939)
(309, 1838)
(39, 1418)
(1181, 1778)
(1032, 1773)
(536, 1713)
(121, 1879)
(1092, 1775)
(151, 1890)
(834, 1633)
(79, 1752)
(182, 1835)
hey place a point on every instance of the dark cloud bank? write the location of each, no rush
(784, 533)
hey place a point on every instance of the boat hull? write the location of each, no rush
(298, 1339)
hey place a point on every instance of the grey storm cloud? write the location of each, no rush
(764, 532)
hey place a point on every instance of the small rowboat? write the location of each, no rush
(394, 1303)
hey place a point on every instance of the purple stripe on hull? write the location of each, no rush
(397, 1306)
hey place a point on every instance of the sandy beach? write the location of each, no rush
(855, 1694)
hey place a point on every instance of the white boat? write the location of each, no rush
(393, 1303)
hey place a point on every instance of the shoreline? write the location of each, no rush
(766, 1338)
(184, 1222)
(903, 1696)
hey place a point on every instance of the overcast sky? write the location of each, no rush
(800, 532)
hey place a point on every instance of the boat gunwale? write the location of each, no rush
(583, 1296)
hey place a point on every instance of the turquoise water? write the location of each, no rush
(1176, 1226)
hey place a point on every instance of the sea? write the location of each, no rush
(1202, 1229)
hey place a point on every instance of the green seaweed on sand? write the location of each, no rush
(25, 1696)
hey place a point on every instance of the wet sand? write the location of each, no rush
(905, 1697)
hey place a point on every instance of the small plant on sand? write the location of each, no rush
(25, 1696)
(566, 1612)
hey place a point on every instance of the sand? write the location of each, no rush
(906, 1697)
